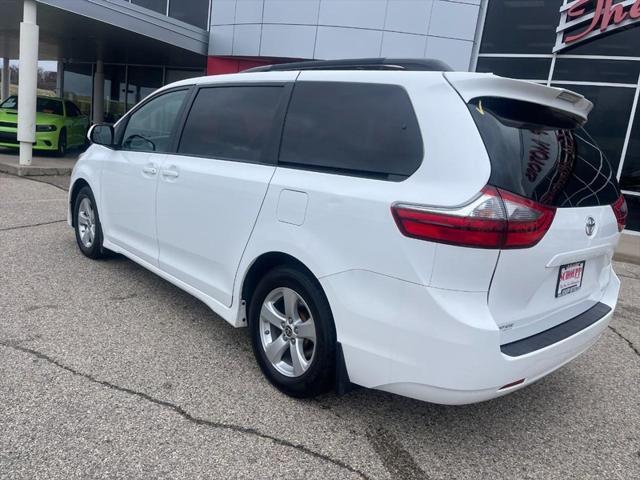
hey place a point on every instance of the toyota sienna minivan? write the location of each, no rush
(385, 223)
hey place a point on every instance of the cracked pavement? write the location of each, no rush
(107, 371)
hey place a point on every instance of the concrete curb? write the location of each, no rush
(621, 257)
(33, 170)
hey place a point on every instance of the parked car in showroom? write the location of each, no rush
(441, 235)
(59, 124)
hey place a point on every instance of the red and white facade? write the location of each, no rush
(250, 32)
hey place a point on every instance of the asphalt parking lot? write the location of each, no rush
(107, 371)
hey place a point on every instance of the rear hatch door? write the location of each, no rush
(539, 150)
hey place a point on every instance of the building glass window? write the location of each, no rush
(194, 12)
(78, 85)
(174, 75)
(114, 92)
(630, 178)
(515, 26)
(589, 70)
(159, 6)
(609, 118)
(633, 218)
(618, 43)
(521, 68)
(142, 81)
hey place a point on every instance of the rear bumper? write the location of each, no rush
(436, 345)
(557, 333)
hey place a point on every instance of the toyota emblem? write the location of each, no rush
(590, 226)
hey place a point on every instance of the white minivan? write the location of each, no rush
(383, 223)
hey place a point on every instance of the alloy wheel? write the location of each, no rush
(86, 223)
(287, 332)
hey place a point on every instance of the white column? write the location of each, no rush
(6, 79)
(98, 93)
(28, 82)
(60, 78)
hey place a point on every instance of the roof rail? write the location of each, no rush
(406, 64)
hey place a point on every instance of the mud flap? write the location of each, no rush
(343, 384)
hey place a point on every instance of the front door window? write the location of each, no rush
(151, 126)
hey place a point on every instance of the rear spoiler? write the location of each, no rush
(475, 85)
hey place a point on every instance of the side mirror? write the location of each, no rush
(101, 134)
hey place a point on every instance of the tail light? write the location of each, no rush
(620, 210)
(496, 219)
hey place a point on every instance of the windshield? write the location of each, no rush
(543, 155)
(43, 105)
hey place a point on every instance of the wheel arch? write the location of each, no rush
(265, 262)
(78, 185)
(258, 268)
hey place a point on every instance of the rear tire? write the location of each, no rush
(292, 332)
(62, 143)
(87, 225)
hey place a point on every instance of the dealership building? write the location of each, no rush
(112, 53)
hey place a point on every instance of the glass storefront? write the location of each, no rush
(518, 41)
(78, 85)
(175, 74)
(633, 220)
(609, 118)
(142, 81)
(630, 178)
(115, 84)
(193, 12)
(124, 85)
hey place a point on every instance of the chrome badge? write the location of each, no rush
(590, 226)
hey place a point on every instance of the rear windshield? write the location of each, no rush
(43, 105)
(543, 155)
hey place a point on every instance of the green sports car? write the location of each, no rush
(59, 124)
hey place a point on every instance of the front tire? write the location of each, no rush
(87, 225)
(62, 143)
(292, 332)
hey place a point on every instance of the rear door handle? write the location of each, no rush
(170, 173)
(150, 169)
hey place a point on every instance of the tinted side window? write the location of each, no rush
(543, 155)
(233, 123)
(10, 102)
(354, 128)
(49, 105)
(72, 111)
(149, 128)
